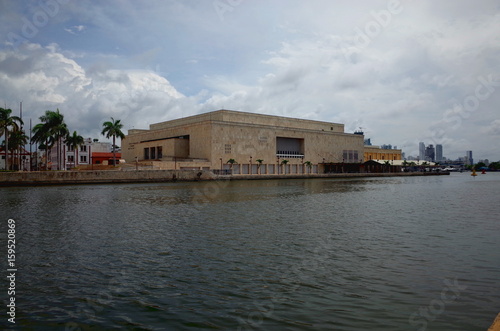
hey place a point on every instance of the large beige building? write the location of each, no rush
(257, 143)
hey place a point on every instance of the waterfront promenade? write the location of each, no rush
(157, 176)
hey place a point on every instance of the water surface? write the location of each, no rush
(402, 253)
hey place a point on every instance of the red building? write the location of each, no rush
(103, 158)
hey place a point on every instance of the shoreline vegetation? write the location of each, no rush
(36, 178)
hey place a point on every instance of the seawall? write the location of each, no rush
(158, 176)
(335, 175)
(101, 177)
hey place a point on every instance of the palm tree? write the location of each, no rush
(387, 166)
(231, 162)
(8, 121)
(284, 162)
(308, 164)
(113, 129)
(405, 165)
(74, 141)
(42, 137)
(17, 140)
(259, 161)
(51, 130)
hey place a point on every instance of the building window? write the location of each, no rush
(71, 158)
(350, 156)
(146, 153)
(83, 158)
(159, 151)
(289, 147)
(227, 148)
(153, 153)
(83, 148)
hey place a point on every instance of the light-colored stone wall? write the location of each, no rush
(246, 137)
(259, 142)
(100, 176)
(251, 119)
(198, 146)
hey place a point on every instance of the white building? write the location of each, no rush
(72, 158)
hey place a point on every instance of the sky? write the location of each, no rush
(402, 71)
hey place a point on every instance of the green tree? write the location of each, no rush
(284, 163)
(74, 141)
(495, 165)
(52, 130)
(259, 161)
(480, 165)
(308, 164)
(41, 136)
(8, 122)
(17, 140)
(113, 129)
(405, 165)
(387, 166)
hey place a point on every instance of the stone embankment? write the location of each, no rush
(100, 177)
(158, 176)
(336, 175)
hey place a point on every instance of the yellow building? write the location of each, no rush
(377, 153)
(257, 143)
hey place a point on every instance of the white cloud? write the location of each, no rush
(49, 80)
(76, 29)
(146, 63)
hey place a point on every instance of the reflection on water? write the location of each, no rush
(321, 254)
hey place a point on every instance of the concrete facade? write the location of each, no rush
(208, 141)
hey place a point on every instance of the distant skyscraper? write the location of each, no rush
(468, 158)
(421, 151)
(439, 153)
(430, 153)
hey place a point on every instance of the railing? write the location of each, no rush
(289, 154)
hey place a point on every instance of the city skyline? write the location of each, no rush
(403, 72)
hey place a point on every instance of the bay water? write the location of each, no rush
(395, 253)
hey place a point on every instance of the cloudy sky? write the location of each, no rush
(403, 71)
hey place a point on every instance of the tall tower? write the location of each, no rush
(430, 153)
(468, 158)
(439, 153)
(421, 151)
